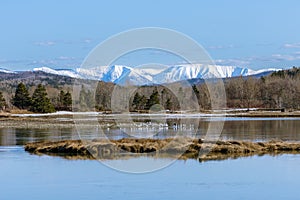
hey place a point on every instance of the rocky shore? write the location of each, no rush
(182, 148)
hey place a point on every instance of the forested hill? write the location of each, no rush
(53, 84)
(280, 89)
(293, 73)
(9, 81)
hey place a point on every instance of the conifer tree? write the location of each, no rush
(169, 104)
(136, 101)
(64, 101)
(40, 102)
(67, 101)
(21, 99)
(196, 91)
(154, 99)
(143, 102)
(61, 99)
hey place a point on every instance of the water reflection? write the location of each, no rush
(262, 130)
(21, 136)
(234, 129)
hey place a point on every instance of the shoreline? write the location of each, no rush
(181, 148)
(232, 113)
(70, 120)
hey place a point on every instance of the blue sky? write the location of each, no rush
(59, 34)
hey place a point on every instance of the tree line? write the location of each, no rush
(39, 101)
(280, 89)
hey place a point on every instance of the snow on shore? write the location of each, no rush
(55, 114)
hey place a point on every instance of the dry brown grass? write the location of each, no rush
(19, 111)
(183, 148)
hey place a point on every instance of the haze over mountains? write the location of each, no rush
(121, 74)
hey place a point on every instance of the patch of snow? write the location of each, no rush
(252, 72)
(7, 71)
(61, 72)
(55, 114)
(151, 71)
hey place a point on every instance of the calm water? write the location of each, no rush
(254, 129)
(26, 176)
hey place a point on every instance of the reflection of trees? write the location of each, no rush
(20, 136)
(7, 137)
(261, 130)
(255, 130)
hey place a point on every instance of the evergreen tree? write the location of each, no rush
(136, 103)
(154, 99)
(2, 101)
(64, 101)
(21, 99)
(40, 102)
(67, 101)
(60, 101)
(61, 98)
(143, 102)
(139, 102)
(169, 104)
(196, 91)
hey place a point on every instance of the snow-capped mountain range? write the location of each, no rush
(120, 74)
(6, 71)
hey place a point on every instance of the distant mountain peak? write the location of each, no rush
(62, 72)
(121, 74)
(6, 71)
